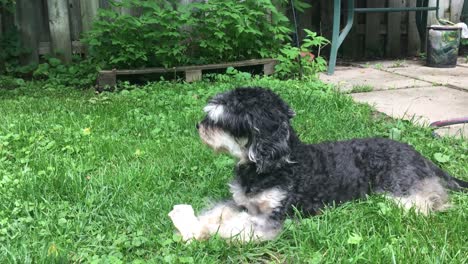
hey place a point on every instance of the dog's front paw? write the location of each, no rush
(184, 219)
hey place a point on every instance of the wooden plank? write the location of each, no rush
(373, 44)
(8, 21)
(75, 19)
(104, 4)
(89, 9)
(1, 24)
(326, 15)
(269, 68)
(28, 20)
(59, 25)
(193, 75)
(196, 67)
(360, 18)
(394, 29)
(106, 79)
(16, 16)
(43, 25)
(414, 43)
(456, 7)
(2, 62)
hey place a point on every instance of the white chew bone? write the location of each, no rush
(185, 221)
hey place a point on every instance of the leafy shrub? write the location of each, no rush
(80, 74)
(291, 59)
(11, 50)
(8, 82)
(153, 39)
(169, 34)
(233, 30)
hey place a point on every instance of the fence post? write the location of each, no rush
(28, 19)
(89, 10)
(59, 25)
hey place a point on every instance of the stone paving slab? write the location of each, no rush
(455, 77)
(348, 78)
(422, 105)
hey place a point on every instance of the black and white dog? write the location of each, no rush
(277, 172)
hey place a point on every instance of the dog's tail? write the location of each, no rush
(452, 182)
(461, 184)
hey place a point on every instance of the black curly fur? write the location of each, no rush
(317, 175)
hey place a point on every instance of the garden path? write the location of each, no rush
(407, 89)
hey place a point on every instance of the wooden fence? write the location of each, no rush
(52, 26)
(55, 26)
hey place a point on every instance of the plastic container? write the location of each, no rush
(442, 46)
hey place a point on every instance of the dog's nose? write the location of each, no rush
(197, 126)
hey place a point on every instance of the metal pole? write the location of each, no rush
(335, 36)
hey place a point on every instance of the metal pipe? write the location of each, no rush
(396, 9)
(349, 23)
(335, 37)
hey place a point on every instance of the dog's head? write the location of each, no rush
(252, 124)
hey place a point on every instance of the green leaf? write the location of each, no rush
(54, 62)
(395, 133)
(354, 239)
(441, 157)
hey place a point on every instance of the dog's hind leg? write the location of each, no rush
(426, 196)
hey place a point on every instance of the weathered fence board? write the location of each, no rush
(60, 29)
(1, 25)
(43, 25)
(89, 9)
(75, 19)
(394, 30)
(28, 20)
(373, 41)
(414, 42)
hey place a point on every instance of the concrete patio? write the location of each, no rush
(407, 89)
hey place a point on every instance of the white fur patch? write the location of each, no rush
(183, 218)
(222, 141)
(427, 196)
(230, 223)
(215, 112)
(261, 203)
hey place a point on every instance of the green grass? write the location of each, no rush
(364, 88)
(91, 178)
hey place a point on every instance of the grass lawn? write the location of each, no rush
(91, 178)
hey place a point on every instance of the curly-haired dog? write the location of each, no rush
(277, 172)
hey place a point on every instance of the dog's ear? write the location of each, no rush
(269, 143)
